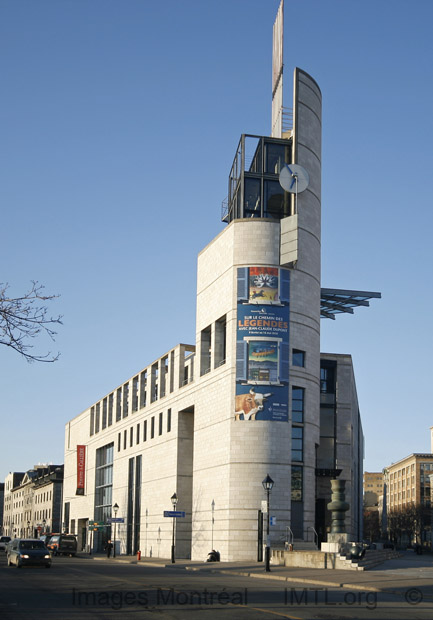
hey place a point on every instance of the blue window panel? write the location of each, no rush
(241, 360)
(243, 284)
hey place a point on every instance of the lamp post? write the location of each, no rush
(213, 520)
(174, 503)
(267, 483)
(44, 523)
(28, 529)
(115, 509)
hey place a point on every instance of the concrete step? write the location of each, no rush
(373, 558)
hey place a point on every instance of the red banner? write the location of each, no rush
(81, 468)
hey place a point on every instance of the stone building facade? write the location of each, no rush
(209, 421)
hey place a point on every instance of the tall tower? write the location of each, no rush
(258, 300)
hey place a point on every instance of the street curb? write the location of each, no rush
(317, 582)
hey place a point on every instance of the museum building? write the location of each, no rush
(204, 424)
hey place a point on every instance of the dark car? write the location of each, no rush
(46, 538)
(28, 552)
(63, 544)
(4, 541)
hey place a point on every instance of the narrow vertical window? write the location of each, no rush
(168, 420)
(92, 420)
(152, 427)
(110, 409)
(160, 424)
(97, 416)
(145, 430)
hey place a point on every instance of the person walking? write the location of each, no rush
(108, 548)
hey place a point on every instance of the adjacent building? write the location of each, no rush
(373, 489)
(409, 481)
(33, 501)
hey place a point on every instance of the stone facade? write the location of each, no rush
(177, 426)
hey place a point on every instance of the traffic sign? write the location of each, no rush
(116, 520)
(272, 520)
(174, 513)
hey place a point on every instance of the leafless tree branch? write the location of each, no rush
(25, 318)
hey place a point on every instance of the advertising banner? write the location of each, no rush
(81, 469)
(262, 348)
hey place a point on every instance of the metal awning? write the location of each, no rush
(335, 301)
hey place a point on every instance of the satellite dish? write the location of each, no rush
(294, 178)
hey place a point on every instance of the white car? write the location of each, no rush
(3, 542)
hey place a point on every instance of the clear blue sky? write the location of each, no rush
(119, 123)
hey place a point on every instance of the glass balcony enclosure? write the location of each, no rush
(254, 188)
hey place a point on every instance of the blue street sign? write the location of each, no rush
(116, 520)
(174, 513)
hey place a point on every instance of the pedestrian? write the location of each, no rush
(108, 548)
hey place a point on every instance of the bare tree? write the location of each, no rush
(24, 318)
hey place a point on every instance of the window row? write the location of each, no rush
(213, 343)
(143, 431)
(151, 384)
(43, 497)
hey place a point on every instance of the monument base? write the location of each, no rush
(335, 543)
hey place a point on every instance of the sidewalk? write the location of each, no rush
(399, 575)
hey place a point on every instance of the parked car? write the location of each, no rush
(63, 544)
(28, 552)
(3, 542)
(46, 538)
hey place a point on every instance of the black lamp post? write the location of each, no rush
(115, 509)
(267, 483)
(174, 503)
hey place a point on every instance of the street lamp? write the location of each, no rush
(174, 503)
(115, 509)
(267, 483)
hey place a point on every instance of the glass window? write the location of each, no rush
(327, 378)
(97, 416)
(252, 198)
(145, 430)
(160, 424)
(276, 156)
(298, 358)
(168, 420)
(298, 404)
(104, 413)
(152, 427)
(297, 443)
(92, 421)
(277, 201)
(297, 475)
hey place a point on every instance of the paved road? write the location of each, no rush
(85, 588)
